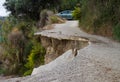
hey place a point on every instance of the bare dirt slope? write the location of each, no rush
(97, 62)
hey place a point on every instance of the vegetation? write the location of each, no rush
(44, 15)
(100, 17)
(23, 51)
(35, 58)
(18, 8)
(69, 4)
(18, 36)
(77, 13)
(19, 45)
(1, 21)
(2, 71)
(116, 31)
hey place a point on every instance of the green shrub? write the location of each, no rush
(77, 13)
(35, 58)
(2, 71)
(117, 31)
(28, 72)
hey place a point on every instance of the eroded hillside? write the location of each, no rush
(98, 60)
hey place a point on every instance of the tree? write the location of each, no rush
(30, 8)
(69, 4)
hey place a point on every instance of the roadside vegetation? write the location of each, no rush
(99, 17)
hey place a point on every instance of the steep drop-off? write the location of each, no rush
(55, 48)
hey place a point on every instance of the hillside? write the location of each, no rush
(99, 61)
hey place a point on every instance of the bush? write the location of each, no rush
(100, 16)
(69, 4)
(77, 13)
(2, 71)
(28, 72)
(17, 42)
(35, 58)
(117, 31)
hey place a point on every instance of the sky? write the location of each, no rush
(3, 11)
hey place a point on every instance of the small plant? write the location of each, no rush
(35, 58)
(77, 13)
(2, 71)
(28, 72)
(117, 31)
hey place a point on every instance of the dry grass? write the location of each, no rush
(53, 20)
(48, 27)
(105, 30)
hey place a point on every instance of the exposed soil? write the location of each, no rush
(54, 47)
